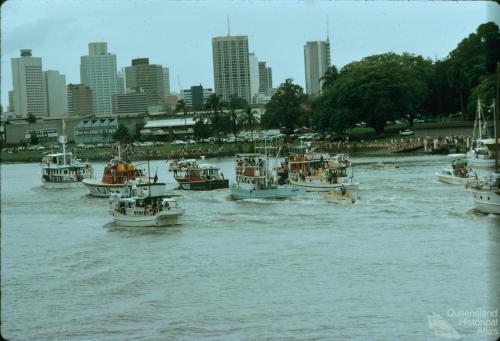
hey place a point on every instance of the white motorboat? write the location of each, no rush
(253, 180)
(317, 172)
(137, 207)
(64, 170)
(457, 174)
(486, 194)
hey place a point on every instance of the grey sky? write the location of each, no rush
(177, 34)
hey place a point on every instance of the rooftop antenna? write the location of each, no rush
(327, 30)
(228, 29)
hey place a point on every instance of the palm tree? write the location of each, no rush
(216, 119)
(250, 120)
(329, 77)
(182, 107)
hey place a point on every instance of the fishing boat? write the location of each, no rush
(481, 155)
(64, 170)
(139, 207)
(317, 172)
(115, 174)
(255, 181)
(204, 177)
(457, 174)
(486, 192)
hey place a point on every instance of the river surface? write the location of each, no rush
(291, 269)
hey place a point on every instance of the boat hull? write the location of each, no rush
(160, 219)
(102, 190)
(206, 185)
(486, 201)
(452, 180)
(61, 185)
(271, 193)
(488, 164)
(315, 186)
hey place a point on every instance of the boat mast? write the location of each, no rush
(63, 140)
(149, 177)
(495, 112)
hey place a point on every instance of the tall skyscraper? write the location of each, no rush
(166, 81)
(265, 79)
(57, 95)
(142, 76)
(254, 75)
(231, 67)
(317, 61)
(79, 99)
(98, 71)
(121, 80)
(29, 86)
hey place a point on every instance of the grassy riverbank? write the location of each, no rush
(379, 147)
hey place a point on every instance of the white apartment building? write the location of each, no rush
(98, 71)
(57, 94)
(29, 97)
(231, 67)
(317, 61)
(166, 81)
(254, 75)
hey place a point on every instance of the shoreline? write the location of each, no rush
(100, 156)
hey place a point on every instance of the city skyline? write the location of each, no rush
(183, 42)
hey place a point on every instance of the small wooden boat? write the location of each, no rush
(335, 197)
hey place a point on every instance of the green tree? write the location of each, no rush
(377, 89)
(218, 119)
(31, 118)
(472, 60)
(249, 120)
(330, 76)
(34, 139)
(182, 107)
(201, 128)
(122, 134)
(287, 108)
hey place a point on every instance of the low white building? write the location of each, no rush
(171, 127)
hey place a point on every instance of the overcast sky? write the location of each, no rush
(177, 34)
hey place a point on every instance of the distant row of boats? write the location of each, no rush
(137, 199)
(477, 170)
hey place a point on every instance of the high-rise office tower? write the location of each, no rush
(98, 71)
(231, 67)
(121, 80)
(28, 86)
(57, 95)
(79, 99)
(254, 75)
(147, 78)
(166, 81)
(317, 61)
(265, 79)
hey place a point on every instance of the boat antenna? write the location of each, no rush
(149, 176)
(119, 151)
(63, 140)
(495, 112)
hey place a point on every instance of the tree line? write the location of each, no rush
(390, 86)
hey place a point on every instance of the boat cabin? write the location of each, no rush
(119, 172)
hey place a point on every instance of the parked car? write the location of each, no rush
(178, 142)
